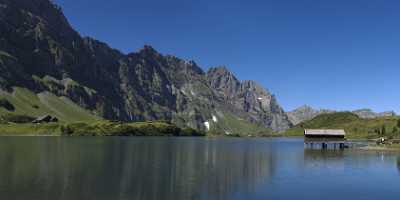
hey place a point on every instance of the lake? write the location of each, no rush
(138, 168)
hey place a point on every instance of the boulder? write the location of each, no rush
(45, 119)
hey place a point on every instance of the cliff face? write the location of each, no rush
(41, 52)
(249, 97)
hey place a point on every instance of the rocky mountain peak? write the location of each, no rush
(304, 108)
(39, 51)
(220, 70)
(148, 50)
(305, 113)
(250, 85)
(223, 81)
(249, 97)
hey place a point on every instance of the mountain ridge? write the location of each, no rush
(42, 52)
(305, 113)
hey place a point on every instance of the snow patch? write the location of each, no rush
(183, 91)
(214, 118)
(207, 124)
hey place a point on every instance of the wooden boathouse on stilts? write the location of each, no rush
(325, 138)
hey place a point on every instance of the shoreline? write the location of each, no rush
(380, 148)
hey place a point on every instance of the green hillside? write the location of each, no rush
(234, 126)
(97, 128)
(354, 126)
(22, 101)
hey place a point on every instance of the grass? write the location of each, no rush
(238, 127)
(97, 128)
(5, 104)
(25, 102)
(355, 127)
(52, 129)
(13, 118)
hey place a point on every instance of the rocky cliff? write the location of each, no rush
(40, 51)
(249, 97)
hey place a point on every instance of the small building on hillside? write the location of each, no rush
(325, 138)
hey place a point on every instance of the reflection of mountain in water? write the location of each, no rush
(75, 168)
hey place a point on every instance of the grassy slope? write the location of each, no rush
(354, 126)
(35, 105)
(52, 129)
(70, 114)
(237, 127)
(74, 120)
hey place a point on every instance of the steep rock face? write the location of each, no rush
(249, 97)
(224, 82)
(42, 44)
(41, 52)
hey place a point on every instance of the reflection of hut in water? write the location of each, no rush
(317, 159)
(314, 154)
(325, 138)
(398, 163)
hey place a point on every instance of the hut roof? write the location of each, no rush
(325, 132)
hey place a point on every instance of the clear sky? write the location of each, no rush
(336, 54)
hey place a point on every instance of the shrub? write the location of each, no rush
(395, 130)
(4, 103)
(110, 128)
(19, 119)
(190, 132)
(383, 130)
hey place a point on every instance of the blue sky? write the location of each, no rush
(336, 54)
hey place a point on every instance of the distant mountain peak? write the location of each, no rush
(306, 112)
(369, 113)
(305, 107)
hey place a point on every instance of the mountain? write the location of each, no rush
(248, 96)
(355, 126)
(40, 52)
(305, 113)
(369, 114)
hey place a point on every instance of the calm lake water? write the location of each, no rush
(44, 168)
